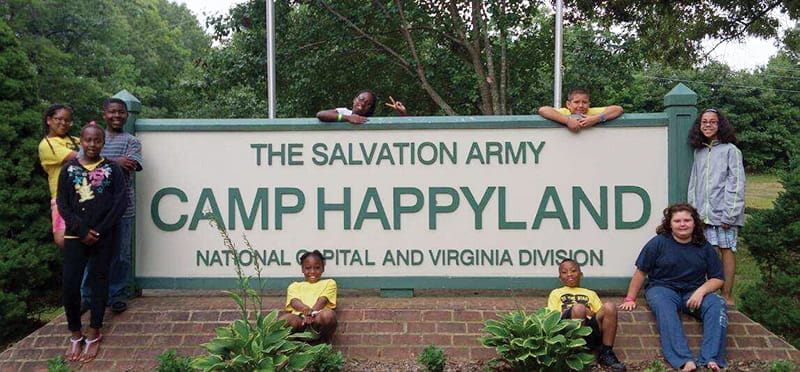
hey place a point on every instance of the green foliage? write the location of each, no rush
(541, 341)
(58, 364)
(170, 361)
(29, 260)
(326, 360)
(773, 237)
(656, 366)
(782, 366)
(432, 358)
(265, 344)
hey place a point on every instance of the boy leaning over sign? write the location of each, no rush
(575, 302)
(578, 115)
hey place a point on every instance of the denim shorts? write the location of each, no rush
(722, 237)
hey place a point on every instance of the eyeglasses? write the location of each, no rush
(709, 122)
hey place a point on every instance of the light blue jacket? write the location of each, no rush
(716, 185)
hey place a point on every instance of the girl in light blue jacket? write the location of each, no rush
(716, 187)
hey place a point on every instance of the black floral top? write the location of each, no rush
(91, 199)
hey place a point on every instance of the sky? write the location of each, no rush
(748, 54)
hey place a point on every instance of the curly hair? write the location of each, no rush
(698, 237)
(725, 132)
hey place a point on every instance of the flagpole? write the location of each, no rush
(270, 58)
(558, 47)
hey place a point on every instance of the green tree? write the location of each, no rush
(28, 258)
(773, 237)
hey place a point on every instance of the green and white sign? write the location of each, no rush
(412, 205)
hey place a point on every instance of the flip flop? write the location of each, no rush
(86, 358)
(74, 349)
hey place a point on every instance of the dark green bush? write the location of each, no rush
(432, 358)
(172, 362)
(773, 237)
(541, 341)
(326, 360)
(29, 260)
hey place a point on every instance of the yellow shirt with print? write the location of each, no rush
(563, 298)
(309, 293)
(52, 152)
(590, 111)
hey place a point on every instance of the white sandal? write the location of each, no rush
(74, 347)
(87, 343)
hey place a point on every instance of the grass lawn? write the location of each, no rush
(761, 191)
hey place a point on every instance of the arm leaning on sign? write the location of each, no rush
(609, 113)
(633, 290)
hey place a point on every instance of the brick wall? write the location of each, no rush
(369, 328)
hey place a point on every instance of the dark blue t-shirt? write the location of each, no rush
(682, 267)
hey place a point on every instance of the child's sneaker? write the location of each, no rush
(607, 358)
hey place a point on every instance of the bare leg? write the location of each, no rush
(58, 237)
(325, 322)
(729, 270)
(607, 319)
(578, 311)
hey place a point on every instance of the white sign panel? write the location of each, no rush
(401, 203)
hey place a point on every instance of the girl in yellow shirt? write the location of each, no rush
(57, 148)
(311, 302)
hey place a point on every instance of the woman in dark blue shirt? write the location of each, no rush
(683, 271)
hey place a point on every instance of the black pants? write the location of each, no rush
(76, 257)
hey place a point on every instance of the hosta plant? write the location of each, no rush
(541, 341)
(256, 342)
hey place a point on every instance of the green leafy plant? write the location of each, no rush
(656, 366)
(266, 344)
(773, 238)
(170, 361)
(782, 366)
(432, 358)
(57, 364)
(541, 341)
(326, 360)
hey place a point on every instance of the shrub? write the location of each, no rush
(326, 360)
(30, 262)
(57, 364)
(656, 366)
(773, 237)
(172, 362)
(268, 344)
(541, 341)
(432, 358)
(782, 366)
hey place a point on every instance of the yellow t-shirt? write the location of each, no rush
(309, 293)
(591, 111)
(563, 298)
(53, 157)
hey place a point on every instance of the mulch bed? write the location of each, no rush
(470, 366)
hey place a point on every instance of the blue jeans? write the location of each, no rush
(666, 304)
(119, 272)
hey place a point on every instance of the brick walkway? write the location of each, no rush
(370, 328)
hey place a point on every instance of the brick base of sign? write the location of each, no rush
(369, 328)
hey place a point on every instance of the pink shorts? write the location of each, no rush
(58, 221)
